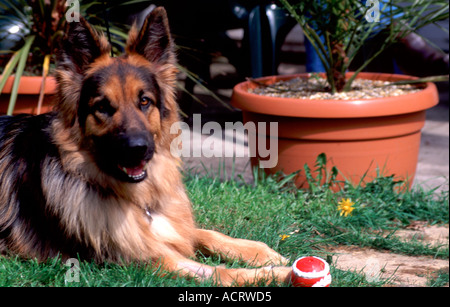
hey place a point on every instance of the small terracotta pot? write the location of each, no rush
(360, 137)
(27, 99)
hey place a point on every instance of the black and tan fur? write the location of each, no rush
(96, 179)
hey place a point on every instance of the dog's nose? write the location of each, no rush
(137, 143)
(137, 146)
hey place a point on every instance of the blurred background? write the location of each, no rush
(222, 42)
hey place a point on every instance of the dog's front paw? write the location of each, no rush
(267, 256)
(275, 258)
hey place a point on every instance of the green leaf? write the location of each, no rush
(12, 63)
(23, 55)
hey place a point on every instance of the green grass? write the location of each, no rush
(439, 279)
(264, 211)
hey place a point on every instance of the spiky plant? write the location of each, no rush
(38, 26)
(337, 29)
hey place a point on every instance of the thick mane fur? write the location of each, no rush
(99, 213)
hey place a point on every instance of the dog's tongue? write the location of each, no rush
(134, 171)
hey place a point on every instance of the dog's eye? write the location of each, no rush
(104, 107)
(145, 101)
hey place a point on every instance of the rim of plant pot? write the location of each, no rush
(31, 85)
(386, 106)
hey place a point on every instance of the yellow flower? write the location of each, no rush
(284, 237)
(346, 206)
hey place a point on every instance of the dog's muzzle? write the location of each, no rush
(125, 155)
(137, 151)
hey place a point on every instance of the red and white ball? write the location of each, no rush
(311, 272)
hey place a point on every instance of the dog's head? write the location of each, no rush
(121, 108)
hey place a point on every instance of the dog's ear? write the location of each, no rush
(153, 41)
(81, 46)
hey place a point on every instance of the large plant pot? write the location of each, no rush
(28, 96)
(362, 138)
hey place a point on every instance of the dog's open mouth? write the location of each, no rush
(135, 173)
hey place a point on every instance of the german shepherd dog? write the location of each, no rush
(95, 179)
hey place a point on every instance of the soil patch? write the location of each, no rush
(315, 88)
(429, 234)
(402, 270)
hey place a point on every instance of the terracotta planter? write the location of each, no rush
(359, 137)
(27, 99)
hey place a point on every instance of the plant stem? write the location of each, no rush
(45, 68)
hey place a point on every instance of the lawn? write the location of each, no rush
(293, 222)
